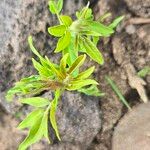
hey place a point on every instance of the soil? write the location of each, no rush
(135, 39)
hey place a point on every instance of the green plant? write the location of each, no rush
(143, 72)
(79, 36)
(117, 91)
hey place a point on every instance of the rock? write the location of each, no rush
(78, 118)
(139, 7)
(18, 20)
(10, 136)
(130, 29)
(133, 131)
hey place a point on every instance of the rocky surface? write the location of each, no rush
(79, 117)
(139, 7)
(19, 19)
(133, 131)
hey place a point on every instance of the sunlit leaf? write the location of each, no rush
(99, 28)
(52, 7)
(31, 118)
(63, 64)
(30, 41)
(116, 22)
(85, 74)
(54, 69)
(63, 42)
(44, 72)
(95, 39)
(35, 101)
(91, 91)
(77, 63)
(59, 5)
(103, 17)
(57, 31)
(35, 134)
(75, 85)
(53, 113)
(92, 51)
(67, 21)
(143, 72)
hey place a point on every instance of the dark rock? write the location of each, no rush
(79, 119)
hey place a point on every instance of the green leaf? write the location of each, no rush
(63, 42)
(35, 101)
(30, 41)
(117, 91)
(31, 118)
(25, 86)
(44, 72)
(75, 85)
(54, 69)
(72, 54)
(102, 18)
(95, 39)
(63, 64)
(145, 71)
(67, 21)
(45, 129)
(91, 91)
(85, 74)
(77, 63)
(57, 31)
(35, 134)
(116, 22)
(52, 7)
(92, 51)
(99, 28)
(59, 5)
(53, 113)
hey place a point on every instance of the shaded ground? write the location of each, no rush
(134, 38)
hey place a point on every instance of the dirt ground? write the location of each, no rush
(133, 38)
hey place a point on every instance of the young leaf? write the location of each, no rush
(63, 42)
(54, 69)
(91, 91)
(92, 51)
(75, 85)
(116, 22)
(67, 21)
(31, 118)
(59, 5)
(45, 128)
(145, 71)
(52, 7)
(102, 18)
(35, 101)
(77, 63)
(63, 64)
(35, 134)
(85, 74)
(53, 113)
(30, 41)
(99, 28)
(57, 31)
(117, 91)
(95, 39)
(44, 72)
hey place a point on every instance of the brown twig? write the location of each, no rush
(138, 21)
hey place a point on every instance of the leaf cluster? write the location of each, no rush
(50, 77)
(76, 39)
(81, 35)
